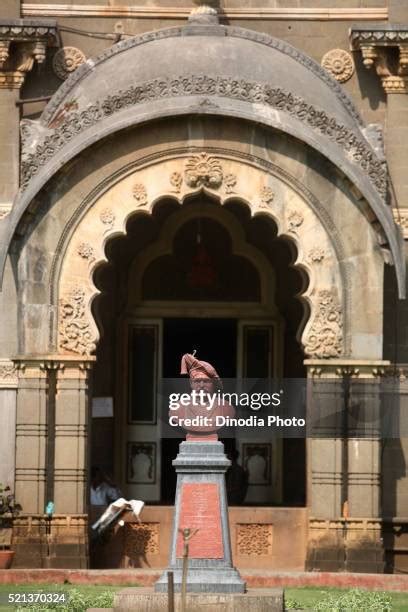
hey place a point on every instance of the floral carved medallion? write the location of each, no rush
(203, 170)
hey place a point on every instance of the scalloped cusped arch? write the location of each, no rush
(242, 74)
(223, 179)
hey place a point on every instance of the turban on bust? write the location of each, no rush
(199, 369)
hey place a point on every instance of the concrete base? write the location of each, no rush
(204, 580)
(145, 600)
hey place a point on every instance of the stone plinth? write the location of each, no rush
(201, 504)
(257, 600)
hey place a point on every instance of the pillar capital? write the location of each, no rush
(385, 49)
(339, 368)
(22, 43)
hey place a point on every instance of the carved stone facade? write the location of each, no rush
(75, 334)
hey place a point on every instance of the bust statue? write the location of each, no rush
(199, 417)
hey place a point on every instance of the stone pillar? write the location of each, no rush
(51, 462)
(8, 396)
(71, 435)
(31, 435)
(344, 451)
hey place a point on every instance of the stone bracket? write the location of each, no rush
(384, 48)
(23, 42)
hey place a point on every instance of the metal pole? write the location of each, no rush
(170, 591)
(187, 535)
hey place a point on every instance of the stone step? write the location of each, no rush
(146, 600)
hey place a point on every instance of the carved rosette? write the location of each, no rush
(325, 338)
(295, 220)
(266, 196)
(107, 217)
(75, 335)
(203, 170)
(316, 254)
(339, 64)
(66, 60)
(176, 181)
(86, 251)
(230, 182)
(140, 194)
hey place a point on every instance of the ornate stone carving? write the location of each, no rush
(325, 338)
(254, 539)
(230, 181)
(401, 218)
(203, 170)
(75, 334)
(142, 539)
(21, 44)
(66, 60)
(358, 150)
(140, 194)
(4, 210)
(8, 373)
(107, 217)
(295, 220)
(385, 48)
(339, 63)
(266, 196)
(86, 251)
(176, 181)
(316, 254)
(206, 12)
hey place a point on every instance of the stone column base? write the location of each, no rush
(350, 545)
(61, 542)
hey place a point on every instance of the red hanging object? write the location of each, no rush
(202, 273)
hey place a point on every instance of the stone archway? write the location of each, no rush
(223, 178)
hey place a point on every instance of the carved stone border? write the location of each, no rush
(76, 122)
(8, 374)
(77, 329)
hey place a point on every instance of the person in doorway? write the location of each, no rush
(103, 490)
(236, 480)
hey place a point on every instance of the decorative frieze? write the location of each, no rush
(384, 48)
(23, 42)
(339, 64)
(204, 171)
(66, 60)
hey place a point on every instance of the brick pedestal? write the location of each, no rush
(201, 503)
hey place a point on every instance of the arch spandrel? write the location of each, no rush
(223, 179)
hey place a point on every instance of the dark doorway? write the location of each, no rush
(215, 341)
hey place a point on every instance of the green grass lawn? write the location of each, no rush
(308, 597)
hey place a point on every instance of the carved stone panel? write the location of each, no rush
(75, 335)
(254, 539)
(325, 338)
(142, 539)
